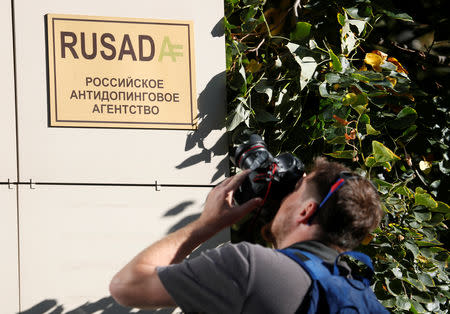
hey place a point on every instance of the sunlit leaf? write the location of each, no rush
(413, 248)
(393, 80)
(301, 31)
(383, 154)
(341, 19)
(422, 216)
(425, 166)
(239, 115)
(399, 67)
(332, 78)
(441, 208)
(371, 131)
(370, 162)
(425, 199)
(337, 66)
(349, 99)
(308, 67)
(416, 283)
(416, 307)
(374, 60)
(397, 272)
(349, 41)
(426, 279)
(346, 154)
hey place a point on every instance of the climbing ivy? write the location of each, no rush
(317, 78)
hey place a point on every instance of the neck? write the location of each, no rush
(302, 233)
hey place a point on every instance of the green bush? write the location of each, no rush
(328, 78)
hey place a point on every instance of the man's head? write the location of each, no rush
(343, 221)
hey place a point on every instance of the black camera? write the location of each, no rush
(271, 178)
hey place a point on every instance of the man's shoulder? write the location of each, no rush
(248, 249)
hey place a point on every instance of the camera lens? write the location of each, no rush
(253, 154)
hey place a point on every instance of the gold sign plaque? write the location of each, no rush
(120, 72)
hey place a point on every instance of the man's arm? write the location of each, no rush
(138, 284)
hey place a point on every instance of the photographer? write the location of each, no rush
(248, 278)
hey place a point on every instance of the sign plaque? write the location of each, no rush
(121, 72)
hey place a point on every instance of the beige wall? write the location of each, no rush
(9, 283)
(73, 236)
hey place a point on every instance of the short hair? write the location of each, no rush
(352, 212)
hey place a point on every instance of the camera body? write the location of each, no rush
(271, 178)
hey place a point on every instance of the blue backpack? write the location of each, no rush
(331, 292)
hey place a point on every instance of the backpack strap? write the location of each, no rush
(315, 267)
(363, 258)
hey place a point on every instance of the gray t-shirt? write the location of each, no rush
(240, 278)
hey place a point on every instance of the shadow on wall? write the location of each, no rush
(217, 240)
(210, 118)
(105, 305)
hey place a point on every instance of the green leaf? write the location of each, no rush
(383, 154)
(418, 308)
(324, 92)
(332, 78)
(437, 219)
(441, 208)
(370, 162)
(394, 287)
(416, 283)
(308, 67)
(301, 31)
(238, 79)
(337, 66)
(371, 131)
(428, 243)
(425, 279)
(388, 66)
(369, 76)
(250, 24)
(360, 109)
(397, 272)
(388, 303)
(405, 118)
(349, 41)
(422, 215)
(432, 306)
(413, 248)
(239, 115)
(263, 87)
(344, 154)
(403, 302)
(337, 140)
(364, 119)
(264, 116)
(341, 19)
(425, 199)
(355, 100)
(399, 16)
(405, 191)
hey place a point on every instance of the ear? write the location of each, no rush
(306, 212)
